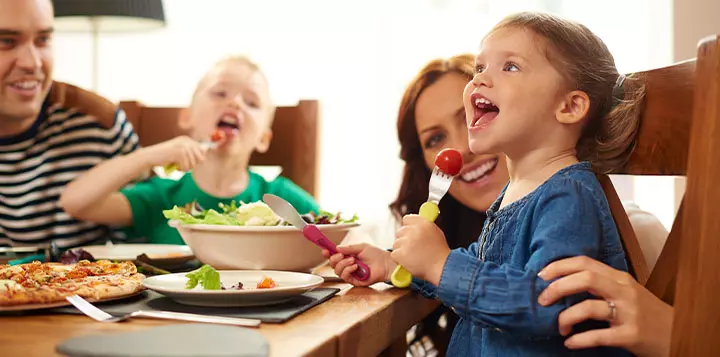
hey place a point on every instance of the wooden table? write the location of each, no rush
(356, 322)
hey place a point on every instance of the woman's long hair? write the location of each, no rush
(461, 224)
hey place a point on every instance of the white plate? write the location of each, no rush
(289, 285)
(157, 252)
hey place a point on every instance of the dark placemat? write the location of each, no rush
(151, 300)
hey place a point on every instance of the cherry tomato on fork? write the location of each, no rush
(449, 161)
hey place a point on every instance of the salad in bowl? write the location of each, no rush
(252, 236)
(246, 214)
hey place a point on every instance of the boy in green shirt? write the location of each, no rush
(233, 98)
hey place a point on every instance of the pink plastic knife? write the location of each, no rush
(285, 210)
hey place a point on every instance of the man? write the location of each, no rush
(50, 132)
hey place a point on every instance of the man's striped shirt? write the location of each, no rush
(75, 131)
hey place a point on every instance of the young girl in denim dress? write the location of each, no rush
(547, 94)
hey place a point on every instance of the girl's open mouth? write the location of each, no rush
(484, 111)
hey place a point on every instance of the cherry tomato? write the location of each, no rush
(217, 135)
(449, 161)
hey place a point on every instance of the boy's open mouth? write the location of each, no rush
(229, 124)
(484, 111)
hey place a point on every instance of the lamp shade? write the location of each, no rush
(108, 15)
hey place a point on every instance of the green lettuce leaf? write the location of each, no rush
(206, 276)
(179, 214)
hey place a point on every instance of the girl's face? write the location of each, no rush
(513, 100)
(440, 122)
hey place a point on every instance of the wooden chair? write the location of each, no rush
(294, 145)
(662, 149)
(680, 136)
(697, 317)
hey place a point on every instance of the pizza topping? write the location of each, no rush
(79, 272)
(9, 285)
(10, 271)
(41, 277)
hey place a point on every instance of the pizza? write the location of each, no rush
(45, 283)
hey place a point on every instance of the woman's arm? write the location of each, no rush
(640, 322)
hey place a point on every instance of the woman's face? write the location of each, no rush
(440, 122)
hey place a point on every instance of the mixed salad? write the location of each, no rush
(209, 278)
(245, 214)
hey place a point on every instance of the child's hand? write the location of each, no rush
(378, 260)
(182, 151)
(421, 248)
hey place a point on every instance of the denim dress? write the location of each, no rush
(493, 284)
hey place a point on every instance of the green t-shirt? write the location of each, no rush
(148, 199)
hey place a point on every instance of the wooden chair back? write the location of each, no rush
(662, 149)
(680, 136)
(697, 242)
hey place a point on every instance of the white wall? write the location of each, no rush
(354, 56)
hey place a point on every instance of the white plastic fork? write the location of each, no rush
(439, 185)
(99, 315)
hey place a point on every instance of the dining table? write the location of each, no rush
(357, 321)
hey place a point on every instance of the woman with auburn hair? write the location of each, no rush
(431, 117)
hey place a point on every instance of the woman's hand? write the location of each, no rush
(639, 321)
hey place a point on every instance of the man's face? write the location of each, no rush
(25, 61)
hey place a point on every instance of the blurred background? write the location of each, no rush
(356, 58)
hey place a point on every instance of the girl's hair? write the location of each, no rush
(613, 118)
(416, 175)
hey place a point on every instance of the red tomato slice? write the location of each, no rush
(266, 283)
(449, 161)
